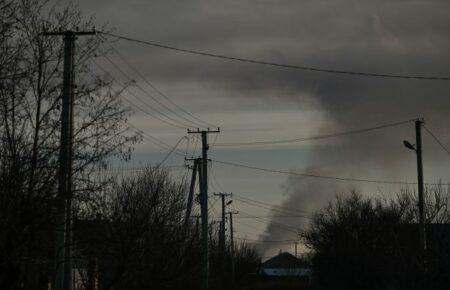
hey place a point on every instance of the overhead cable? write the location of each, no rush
(165, 96)
(181, 123)
(271, 206)
(155, 116)
(437, 140)
(273, 223)
(275, 64)
(155, 140)
(252, 241)
(318, 137)
(171, 151)
(314, 175)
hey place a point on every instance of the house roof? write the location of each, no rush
(284, 260)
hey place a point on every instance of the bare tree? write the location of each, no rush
(140, 241)
(437, 204)
(143, 231)
(362, 243)
(30, 97)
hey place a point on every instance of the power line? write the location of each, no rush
(290, 66)
(194, 150)
(149, 138)
(273, 223)
(155, 140)
(247, 234)
(139, 107)
(272, 216)
(165, 96)
(184, 125)
(271, 206)
(320, 176)
(147, 112)
(148, 94)
(315, 175)
(331, 135)
(118, 169)
(171, 151)
(214, 180)
(437, 140)
(267, 241)
(262, 206)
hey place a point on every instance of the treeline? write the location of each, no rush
(373, 243)
(128, 233)
(134, 233)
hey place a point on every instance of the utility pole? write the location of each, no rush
(422, 231)
(204, 203)
(233, 274)
(418, 149)
(222, 243)
(195, 168)
(63, 253)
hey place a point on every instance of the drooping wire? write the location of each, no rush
(318, 137)
(252, 241)
(271, 216)
(214, 141)
(437, 140)
(214, 179)
(172, 151)
(197, 122)
(278, 208)
(196, 142)
(155, 140)
(275, 224)
(182, 124)
(275, 64)
(318, 176)
(273, 209)
(155, 116)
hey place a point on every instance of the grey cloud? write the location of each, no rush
(398, 37)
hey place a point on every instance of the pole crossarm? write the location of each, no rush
(76, 32)
(198, 131)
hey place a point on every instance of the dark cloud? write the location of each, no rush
(397, 37)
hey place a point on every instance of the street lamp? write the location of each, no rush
(409, 145)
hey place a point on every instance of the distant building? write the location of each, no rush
(285, 265)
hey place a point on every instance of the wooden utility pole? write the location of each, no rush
(187, 218)
(63, 252)
(422, 230)
(222, 242)
(418, 149)
(204, 203)
(233, 269)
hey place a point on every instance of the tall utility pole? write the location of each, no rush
(222, 243)
(233, 271)
(204, 203)
(418, 149)
(63, 253)
(422, 231)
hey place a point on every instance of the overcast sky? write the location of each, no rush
(254, 102)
